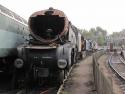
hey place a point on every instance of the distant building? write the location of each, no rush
(117, 38)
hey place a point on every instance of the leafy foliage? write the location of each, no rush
(97, 34)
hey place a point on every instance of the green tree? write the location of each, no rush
(101, 40)
(97, 34)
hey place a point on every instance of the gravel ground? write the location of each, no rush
(80, 80)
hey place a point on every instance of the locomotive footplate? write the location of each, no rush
(43, 72)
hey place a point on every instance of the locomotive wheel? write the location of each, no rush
(69, 63)
(62, 75)
(17, 80)
(73, 58)
(13, 80)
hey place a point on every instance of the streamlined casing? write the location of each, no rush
(47, 26)
(13, 32)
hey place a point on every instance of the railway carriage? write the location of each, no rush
(13, 32)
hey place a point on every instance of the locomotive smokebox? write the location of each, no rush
(48, 25)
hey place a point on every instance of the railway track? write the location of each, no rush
(117, 64)
(34, 90)
(45, 89)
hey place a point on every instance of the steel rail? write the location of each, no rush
(118, 74)
(114, 69)
(48, 90)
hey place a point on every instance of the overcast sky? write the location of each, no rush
(84, 14)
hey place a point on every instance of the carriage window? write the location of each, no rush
(17, 17)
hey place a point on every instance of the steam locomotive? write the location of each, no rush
(54, 45)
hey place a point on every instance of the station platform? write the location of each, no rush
(80, 80)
